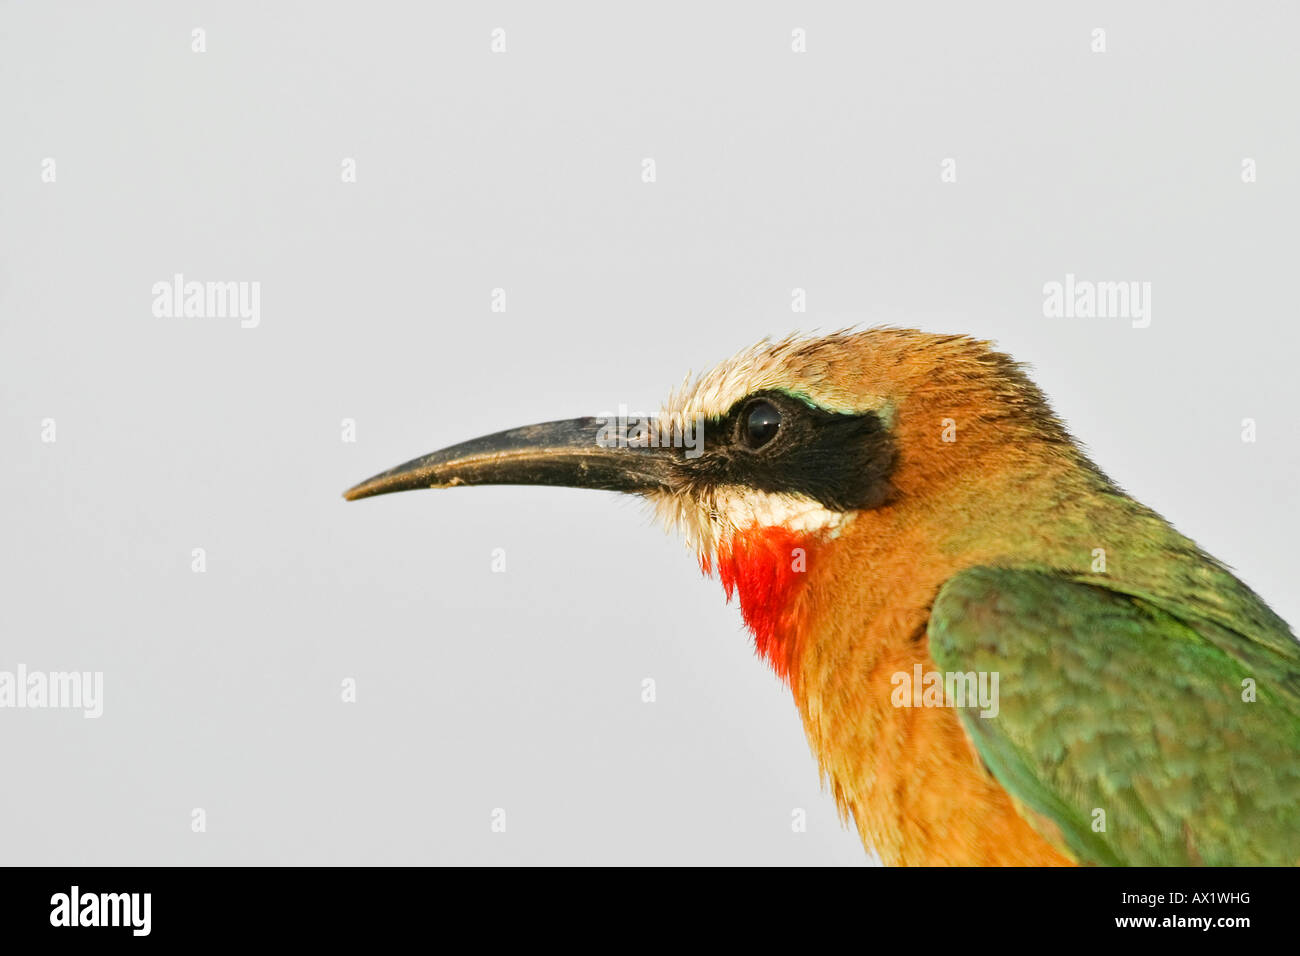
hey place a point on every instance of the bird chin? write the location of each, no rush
(711, 522)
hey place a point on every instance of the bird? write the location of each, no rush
(907, 524)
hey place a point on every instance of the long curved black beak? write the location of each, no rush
(577, 453)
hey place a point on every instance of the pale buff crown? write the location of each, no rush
(798, 364)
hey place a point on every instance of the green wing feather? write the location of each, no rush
(1109, 702)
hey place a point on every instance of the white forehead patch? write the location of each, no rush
(710, 521)
(794, 364)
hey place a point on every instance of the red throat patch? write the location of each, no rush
(767, 567)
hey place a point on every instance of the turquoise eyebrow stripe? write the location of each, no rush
(803, 398)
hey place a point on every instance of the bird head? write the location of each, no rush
(771, 455)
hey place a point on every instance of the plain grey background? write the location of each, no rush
(522, 170)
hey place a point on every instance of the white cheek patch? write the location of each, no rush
(743, 509)
(711, 521)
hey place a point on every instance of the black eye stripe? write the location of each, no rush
(842, 461)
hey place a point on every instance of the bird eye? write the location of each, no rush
(760, 424)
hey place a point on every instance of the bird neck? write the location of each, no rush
(766, 568)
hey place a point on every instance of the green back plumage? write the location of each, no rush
(1125, 723)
